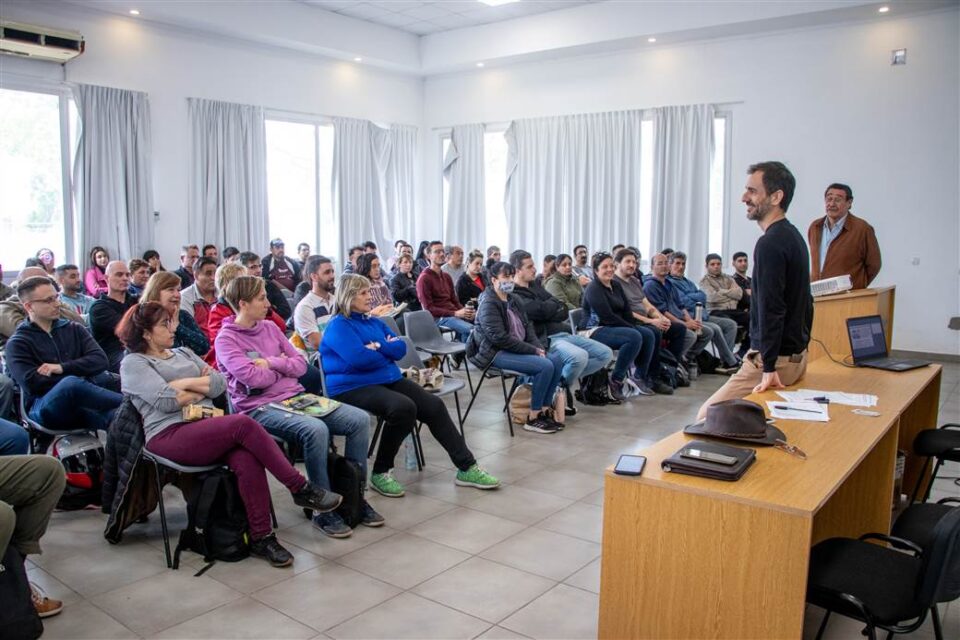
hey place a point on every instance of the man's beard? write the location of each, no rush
(760, 212)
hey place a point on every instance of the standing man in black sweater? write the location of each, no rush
(781, 311)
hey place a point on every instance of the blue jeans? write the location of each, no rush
(14, 439)
(460, 326)
(313, 436)
(651, 341)
(580, 356)
(633, 348)
(544, 371)
(76, 402)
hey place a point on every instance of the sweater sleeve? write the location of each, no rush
(138, 378)
(291, 364)
(92, 360)
(340, 338)
(189, 335)
(218, 384)
(233, 360)
(769, 283)
(597, 297)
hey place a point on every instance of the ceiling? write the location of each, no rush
(424, 17)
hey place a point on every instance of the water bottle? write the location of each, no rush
(410, 453)
(698, 316)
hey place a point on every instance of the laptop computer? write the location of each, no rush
(868, 344)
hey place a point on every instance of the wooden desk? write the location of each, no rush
(687, 557)
(830, 315)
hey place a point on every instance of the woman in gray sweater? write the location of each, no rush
(161, 381)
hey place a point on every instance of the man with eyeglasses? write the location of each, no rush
(108, 309)
(58, 365)
(581, 269)
(12, 312)
(841, 243)
(437, 295)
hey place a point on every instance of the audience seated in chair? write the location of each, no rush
(164, 287)
(59, 367)
(437, 295)
(453, 267)
(403, 286)
(189, 253)
(221, 309)
(161, 380)
(723, 298)
(108, 309)
(609, 320)
(197, 299)
(318, 304)
(278, 301)
(359, 355)
(279, 269)
(743, 280)
(95, 279)
(139, 274)
(71, 289)
(12, 312)
(564, 284)
(579, 356)
(473, 280)
(261, 368)
(368, 266)
(505, 338)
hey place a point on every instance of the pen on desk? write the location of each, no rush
(822, 400)
(783, 408)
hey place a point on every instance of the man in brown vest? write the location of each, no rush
(841, 243)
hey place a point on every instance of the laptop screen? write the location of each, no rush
(867, 339)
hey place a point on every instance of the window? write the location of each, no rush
(718, 181)
(35, 200)
(495, 175)
(300, 185)
(646, 191)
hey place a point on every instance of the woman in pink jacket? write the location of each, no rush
(95, 278)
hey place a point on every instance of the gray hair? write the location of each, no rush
(347, 289)
(676, 255)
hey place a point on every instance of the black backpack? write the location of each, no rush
(216, 520)
(707, 362)
(346, 478)
(595, 388)
(18, 617)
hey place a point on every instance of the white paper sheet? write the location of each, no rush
(835, 397)
(809, 411)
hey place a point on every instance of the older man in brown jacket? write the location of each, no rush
(841, 243)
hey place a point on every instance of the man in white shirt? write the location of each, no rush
(454, 264)
(317, 304)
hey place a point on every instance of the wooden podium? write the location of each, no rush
(830, 315)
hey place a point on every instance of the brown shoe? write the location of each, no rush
(45, 606)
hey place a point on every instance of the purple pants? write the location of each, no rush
(247, 449)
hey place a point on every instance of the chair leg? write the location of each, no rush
(376, 436)
(823, 625)
(466, 369)
(923, 472)
(933, 476)
(473, 396)
(937, 626)
(889, 635)
(506, 402)
(273, 515)
(871, 632)
(418, 447)
(163, 515)
(456, 401)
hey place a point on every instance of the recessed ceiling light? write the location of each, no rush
(497, 3)
(651, 40)
(480, 64)
(883, 9)
(134, 12)
(358, 59)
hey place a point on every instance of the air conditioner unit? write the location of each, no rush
(39, 43)
(830, 285)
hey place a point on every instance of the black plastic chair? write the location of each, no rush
(491, 371)
(942, 444)
(39, 433)
(887, 588)
(423, 330)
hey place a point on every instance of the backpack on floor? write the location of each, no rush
(520, 403)
(346, 478)
(217, 526)
(595, 388)
(707, 362)
(18, 617)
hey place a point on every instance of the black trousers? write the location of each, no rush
(401, 404)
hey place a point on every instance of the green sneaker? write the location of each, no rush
(385, 484)
(476, 477)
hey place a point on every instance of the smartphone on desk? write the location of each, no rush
(629, 465)
(709, 456)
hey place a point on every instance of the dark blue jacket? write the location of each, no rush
(689, 295)
(348, 364)
(68, 344)
(663, 296)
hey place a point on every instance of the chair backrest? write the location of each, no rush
(939, 579)
(410, 358)
(576, 316)
(391, 323)
(323, 378)
(421, 327)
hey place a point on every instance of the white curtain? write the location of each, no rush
(374, 182)
(681, 181)
(463, 167)
(113, 178)
(228, 175)
(573, 180)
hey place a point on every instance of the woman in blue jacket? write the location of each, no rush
(359, 355)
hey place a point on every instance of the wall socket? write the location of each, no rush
(898, 56)
(915, 261)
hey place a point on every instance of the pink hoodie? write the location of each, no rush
(237, 347)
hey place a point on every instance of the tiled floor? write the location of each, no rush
(452, 562)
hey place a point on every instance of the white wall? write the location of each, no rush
(172, 65)
(825, 101)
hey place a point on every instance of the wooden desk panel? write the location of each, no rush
(830, 315)
(692, 557)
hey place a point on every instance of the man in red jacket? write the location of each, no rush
(841, 243)
(437, 295)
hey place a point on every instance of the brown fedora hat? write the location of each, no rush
(739, 420)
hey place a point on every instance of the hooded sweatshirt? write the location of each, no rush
(251, 386)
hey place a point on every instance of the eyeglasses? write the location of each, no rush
(52, 299)
(791, 449)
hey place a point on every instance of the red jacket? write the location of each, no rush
(220, 310)
(437, 294)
